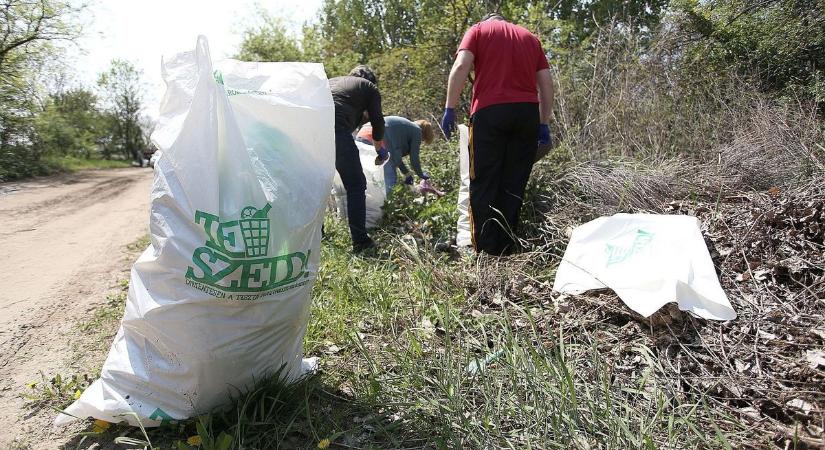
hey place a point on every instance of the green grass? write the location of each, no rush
(422, 350)
(73, 164)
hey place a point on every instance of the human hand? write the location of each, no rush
(448, 122)
(544, 134)
(383, 156)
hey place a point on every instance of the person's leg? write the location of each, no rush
(348, 165)
(519, 157)
(486, 156)
(390, 176)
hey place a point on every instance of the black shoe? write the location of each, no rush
(367, 246)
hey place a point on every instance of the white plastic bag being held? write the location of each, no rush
(221, 298)
(376, 193)
(463, 236)
(648, 260)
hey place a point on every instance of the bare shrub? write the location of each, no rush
(633, 100)
(773, 144)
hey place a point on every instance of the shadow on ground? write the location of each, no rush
(274, 416)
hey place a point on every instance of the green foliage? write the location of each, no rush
(122, 92)
(779, 43)
(269, 41)
(27, 26)
(26, 37)
(70, 124)
(58, 391)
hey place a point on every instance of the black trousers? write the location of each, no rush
(348, 165)
(503, 143)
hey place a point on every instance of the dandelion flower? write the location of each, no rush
(77, 394)
(324, 443)
(194, 440)
(100, 426)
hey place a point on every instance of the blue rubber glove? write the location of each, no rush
(448, 122)
(408, 180)
(544, 134)
(383, 156)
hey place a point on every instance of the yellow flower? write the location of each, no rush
(194, 440)
(324, 443)
(77, 394)
(100, 426)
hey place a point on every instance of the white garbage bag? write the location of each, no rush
(221, 298)
(376, 193)
(649, 260)
(463, 234)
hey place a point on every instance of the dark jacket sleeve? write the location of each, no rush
(376, 114)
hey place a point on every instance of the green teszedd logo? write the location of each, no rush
(234, 263)
(618, 253)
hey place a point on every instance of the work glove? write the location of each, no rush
(448, 122)
(408, 180)
(544, 134)
(383, 156)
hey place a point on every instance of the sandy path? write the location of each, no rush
(62, 249)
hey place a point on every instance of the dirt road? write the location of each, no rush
(62, 249)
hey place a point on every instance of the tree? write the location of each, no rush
(29, 23)
(122, 92)
(70, 124)
(411, 43)
(27, 29)
(269, 41)
(778, 43)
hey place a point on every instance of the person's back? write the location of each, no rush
(400, 134)
(352, 96)
(506, 59)
(510, 112)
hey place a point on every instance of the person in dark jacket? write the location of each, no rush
(354, 95)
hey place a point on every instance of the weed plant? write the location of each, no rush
(424, 349)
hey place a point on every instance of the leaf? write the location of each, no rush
(224, 442)
(761, 275)
(815, 358)
(800, 404)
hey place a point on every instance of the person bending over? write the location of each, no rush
(402, 138)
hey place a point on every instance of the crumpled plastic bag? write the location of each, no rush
(649, 260)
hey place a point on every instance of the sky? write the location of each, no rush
(141, 31)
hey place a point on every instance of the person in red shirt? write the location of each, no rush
(509, 116)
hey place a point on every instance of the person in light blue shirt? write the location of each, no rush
(402, 137)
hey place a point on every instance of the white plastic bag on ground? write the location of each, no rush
(649, 260)
(376, 193)
(221, 298)
(463, 235)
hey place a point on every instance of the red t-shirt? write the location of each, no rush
(506, 59)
